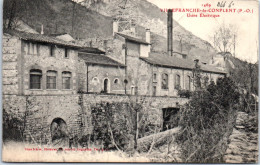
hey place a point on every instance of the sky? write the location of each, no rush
(245, 23)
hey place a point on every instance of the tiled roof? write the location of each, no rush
(99, 59)
(174, 62)
(50, 40)
(133, 39)
(91, 50)
(58, 34)
(180, 53)
(41, 38)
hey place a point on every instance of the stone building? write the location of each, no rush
(35, 64)
(151, 73)
(100, 74)
(44, 79)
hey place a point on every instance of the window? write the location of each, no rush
(66, 53)
(95, 81)
(116, 81)
(154, 77)
(66, 78)
(134, 90)
(164, 81)
(51, 79)
(154, 90)
(188, 83)
(177, 81)
(106, 84)
(206, 81)
(32, 48)
(35, 79)
(35, 46)
(52, 51)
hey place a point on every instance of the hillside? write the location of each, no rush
(59, 16)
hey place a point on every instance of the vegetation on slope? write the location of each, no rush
(207, 121)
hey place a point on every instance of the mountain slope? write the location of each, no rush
(59, 16)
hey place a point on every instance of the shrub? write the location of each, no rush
(184, 93)
(113, 118)
(13, 127)
(207, 121)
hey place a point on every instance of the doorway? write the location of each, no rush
(170, 118)
(59, 132)
(106, 85)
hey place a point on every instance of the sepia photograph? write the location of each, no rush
(153, 81)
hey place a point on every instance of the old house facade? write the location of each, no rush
(35, 64)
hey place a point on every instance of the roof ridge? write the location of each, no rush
(47, 39)
(171, 61)
(133, 39)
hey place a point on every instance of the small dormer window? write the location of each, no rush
(154, 77)
(52, 51)
(66, 53)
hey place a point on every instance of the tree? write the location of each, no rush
(224, 38)
(180, 39)
(12, 12)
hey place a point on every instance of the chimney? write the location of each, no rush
(169, 32)
(115, 27)
(42, 30)
(132, 29)
(148, 36)
(196, 62)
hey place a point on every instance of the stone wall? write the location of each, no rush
(38, 112)
(10, 65)
(243, 144)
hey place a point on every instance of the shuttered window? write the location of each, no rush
(35, 79)
(66, 78)
(51, 79)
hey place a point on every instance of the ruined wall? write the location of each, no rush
(38, 112)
